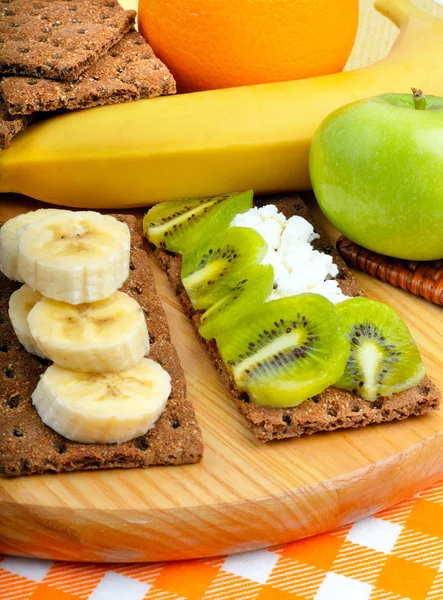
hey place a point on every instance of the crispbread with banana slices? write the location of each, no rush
(28, 446)
(333, 408)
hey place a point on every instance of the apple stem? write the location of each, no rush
(419, 99)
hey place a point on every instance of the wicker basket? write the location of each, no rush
(423, 279)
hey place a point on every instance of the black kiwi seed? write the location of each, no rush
(372, 332)
(283, 357)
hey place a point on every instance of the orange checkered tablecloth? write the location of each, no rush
(395, 555)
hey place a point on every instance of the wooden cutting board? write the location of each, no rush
(244, 495)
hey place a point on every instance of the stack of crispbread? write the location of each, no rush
(71, 54)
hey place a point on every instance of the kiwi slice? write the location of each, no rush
(179, 225)
(286, 350)
(248, 291)
(209, 271)
(384, 358)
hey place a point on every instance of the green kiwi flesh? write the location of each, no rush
(383, 358)
(247, 292)
(285, 351)
(209, 271)
(180, 225)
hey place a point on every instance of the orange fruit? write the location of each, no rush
(226, 43)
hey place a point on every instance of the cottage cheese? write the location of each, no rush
(298, 268)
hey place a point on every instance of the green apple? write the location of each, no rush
(376, 168)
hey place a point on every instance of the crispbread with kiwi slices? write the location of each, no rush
(28, 446)
(333, 408)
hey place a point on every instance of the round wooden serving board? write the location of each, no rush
(244, 494)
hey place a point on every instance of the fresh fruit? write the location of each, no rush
(106, 336)
(286, 350)
(77, 257)
(180, 225)
(384, 358)
(249, 290)
(21, 302)
(9, 236)
(210, 271)
(218, 45)
(210, 143)
(377, 172)
(102, 408)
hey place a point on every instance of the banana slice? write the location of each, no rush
(9, 236)
(76, 257)
(105, 408)
(20, 304)
(106, 336)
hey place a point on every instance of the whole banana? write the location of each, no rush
(214, 142)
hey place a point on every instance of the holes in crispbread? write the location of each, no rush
(13, 401)
(9, 371)
(378, 404)
(424, 390)
(18, 432)
(61, 447)
(174, 422)
(4, 348)
(141, 443)
(25, 465)
(286, 419)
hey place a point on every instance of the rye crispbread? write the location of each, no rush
(333, 408)
(27, 446)
(128, 71)
(10, 125)
(58, 39)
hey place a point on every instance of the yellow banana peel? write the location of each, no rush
(209, 143)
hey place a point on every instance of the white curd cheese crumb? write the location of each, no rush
(270, 211)
(267, 222)
(251, 219)
(298, 268)
(297, 232)
(330, 290)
